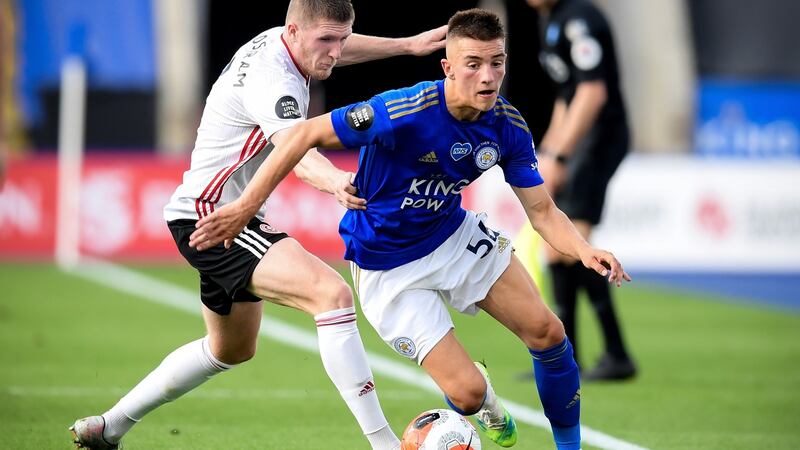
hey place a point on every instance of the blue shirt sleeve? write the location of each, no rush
(521, 168)
(364, 124)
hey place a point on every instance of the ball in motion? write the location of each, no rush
(440, 429)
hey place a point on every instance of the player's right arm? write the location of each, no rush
(320, 173)
(228, 221)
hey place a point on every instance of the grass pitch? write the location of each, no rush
(714, 374)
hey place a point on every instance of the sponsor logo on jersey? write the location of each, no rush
(360, 117)
(431, 187)
(486, 155)
(429, 157)
(459, 150)
(287, 108)
(405, 347)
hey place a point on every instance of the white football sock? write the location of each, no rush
(345, 360)
(181, 371)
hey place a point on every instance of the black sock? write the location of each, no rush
(597, 288)
(565, 293)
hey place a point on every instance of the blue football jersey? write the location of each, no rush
(415, 160)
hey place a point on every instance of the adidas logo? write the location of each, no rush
(429, 158)
(369, 387)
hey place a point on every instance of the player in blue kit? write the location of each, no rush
(413, 248)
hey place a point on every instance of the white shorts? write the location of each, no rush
(407, 305)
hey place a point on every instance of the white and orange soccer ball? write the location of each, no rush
(440, 429)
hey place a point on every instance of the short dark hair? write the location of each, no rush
(310, 10)
(475, 23)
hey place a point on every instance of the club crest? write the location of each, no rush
(486, 156)
(405, 347)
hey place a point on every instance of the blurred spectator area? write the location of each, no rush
(714, 77)
(116, 39)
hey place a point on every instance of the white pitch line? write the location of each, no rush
(149, 288)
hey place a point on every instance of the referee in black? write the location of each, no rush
(583, 146)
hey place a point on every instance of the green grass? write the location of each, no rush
(714, 374)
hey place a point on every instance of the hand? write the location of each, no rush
(605, 264)
(553, 172)
(224, 224)
(345, 192)
(428, 42)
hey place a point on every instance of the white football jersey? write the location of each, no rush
(261, 91)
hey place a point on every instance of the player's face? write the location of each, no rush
(320, 46)
(475, 70)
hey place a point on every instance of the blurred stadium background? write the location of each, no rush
(705, 214)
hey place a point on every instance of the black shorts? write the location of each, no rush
(225, 272)
(591, 167)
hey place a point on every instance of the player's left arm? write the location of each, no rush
(319, 172)
(361, 48)
(555, 227)
(228, 221)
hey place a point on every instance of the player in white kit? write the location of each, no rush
(259, 95)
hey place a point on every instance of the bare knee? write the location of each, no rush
(330, 295)
(467, 394)
(233, 352)
(544, 332)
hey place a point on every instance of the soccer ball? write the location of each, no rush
(440, 429)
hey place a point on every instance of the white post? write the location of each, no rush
(70, 157)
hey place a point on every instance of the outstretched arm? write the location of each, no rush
(361, 48)
(228, 221)
(318, 172)
(555, 227)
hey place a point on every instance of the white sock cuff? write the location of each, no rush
(383, 438)
(336, 317)
(212, 359)
(115, 414)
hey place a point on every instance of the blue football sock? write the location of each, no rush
(559, 386)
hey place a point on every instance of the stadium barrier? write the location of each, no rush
(663, 213)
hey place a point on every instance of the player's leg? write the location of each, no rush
(515, 302)
(231, 340)
(417, 325)
(289, 275)
(615, 363)
(232, 332)
(454, 372)
(583, 202)
(565, 280)
(468, 390)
